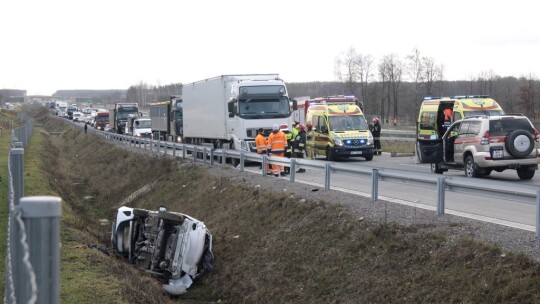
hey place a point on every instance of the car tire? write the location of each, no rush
(330, 155)
(519, 143)
(370, 157)
(524, 173)
(140, 212)
(436, 168)
(471, 170)
(169, 216)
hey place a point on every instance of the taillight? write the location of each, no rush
(485, 139)
(535, 133)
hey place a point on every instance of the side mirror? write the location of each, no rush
(294, 104)
(230, 106)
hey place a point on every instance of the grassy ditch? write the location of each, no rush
(269, 246)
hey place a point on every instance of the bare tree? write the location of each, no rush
(365, 68)
(414, 70)
(527, 95)
(346, 70)
(430, 73)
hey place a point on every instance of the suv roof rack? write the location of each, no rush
(512, 114)
(476, 116)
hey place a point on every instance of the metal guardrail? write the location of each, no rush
(33, 245)
(529, 194)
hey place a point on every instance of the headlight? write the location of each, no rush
(138, 135)
(337, 140)
(370, 139)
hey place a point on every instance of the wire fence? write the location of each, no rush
(33, 253)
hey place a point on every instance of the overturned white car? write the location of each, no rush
(172, 245)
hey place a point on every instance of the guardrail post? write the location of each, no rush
(184, 151)
(204, 155)
(374, 185)
(223, 157)
(194, 153)
(158, 145)
(538, 213)
(263, 165)
(292, 170)
(16, 159)
(241, 161)
(326, 177)
(41, 217)
(17, 166)
(174, 149)
(211, 156)
(441, 185)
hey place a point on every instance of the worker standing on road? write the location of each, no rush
(276, 146)
(288, 149)
(85, 127)
(376, 132)
(299, 145)
(261, 143)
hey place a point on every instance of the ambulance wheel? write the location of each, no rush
(370, 157)
(330, 155)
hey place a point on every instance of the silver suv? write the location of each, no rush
(481, 144)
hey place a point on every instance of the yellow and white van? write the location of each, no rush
(431, 123)
(339, 130)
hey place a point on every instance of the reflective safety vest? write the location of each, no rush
(289, 137)
(300, 142)
(277, 142)
(260, 142)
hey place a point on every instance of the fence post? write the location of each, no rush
(374, 185)
(326, 177)
(538, 213)
(440, 195)
(41, 217)
(16, 156)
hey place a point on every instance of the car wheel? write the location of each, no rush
(524, 173)
(519, 143)
(173, 217)
(330, 155)
(436, 168)
(486, 172)
(140, 212)
(370, 157)
(471, 169)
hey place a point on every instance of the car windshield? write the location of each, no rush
(348, 123)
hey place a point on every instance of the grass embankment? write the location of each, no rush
(269, 247)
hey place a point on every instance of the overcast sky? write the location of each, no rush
(48, 45)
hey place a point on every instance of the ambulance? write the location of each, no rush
(339, 129)
(431, 124)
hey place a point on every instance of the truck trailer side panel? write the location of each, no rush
(205, 108)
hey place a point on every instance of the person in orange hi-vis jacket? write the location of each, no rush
(261, 143)
(277, 141)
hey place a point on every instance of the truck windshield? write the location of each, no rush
(348, 123)
(124, 114)
(264, 108)
(144, 124)
(102, 118)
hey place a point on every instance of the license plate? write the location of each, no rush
(498, 154)
(356, 152)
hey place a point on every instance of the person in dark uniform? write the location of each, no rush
(376, 132)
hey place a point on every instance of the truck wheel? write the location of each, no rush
(524, 173)
(471, 170)
(169, 216)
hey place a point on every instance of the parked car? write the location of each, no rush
(174, 246)
(481, 144)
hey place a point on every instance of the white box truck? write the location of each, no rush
(226, 111)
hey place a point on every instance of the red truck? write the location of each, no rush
(102, 119)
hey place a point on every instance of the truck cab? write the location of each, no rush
(139, 127)
(339, 129)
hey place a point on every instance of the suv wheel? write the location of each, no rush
(524, 173)
(173, 217)
(519, 143)
(471, 169)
